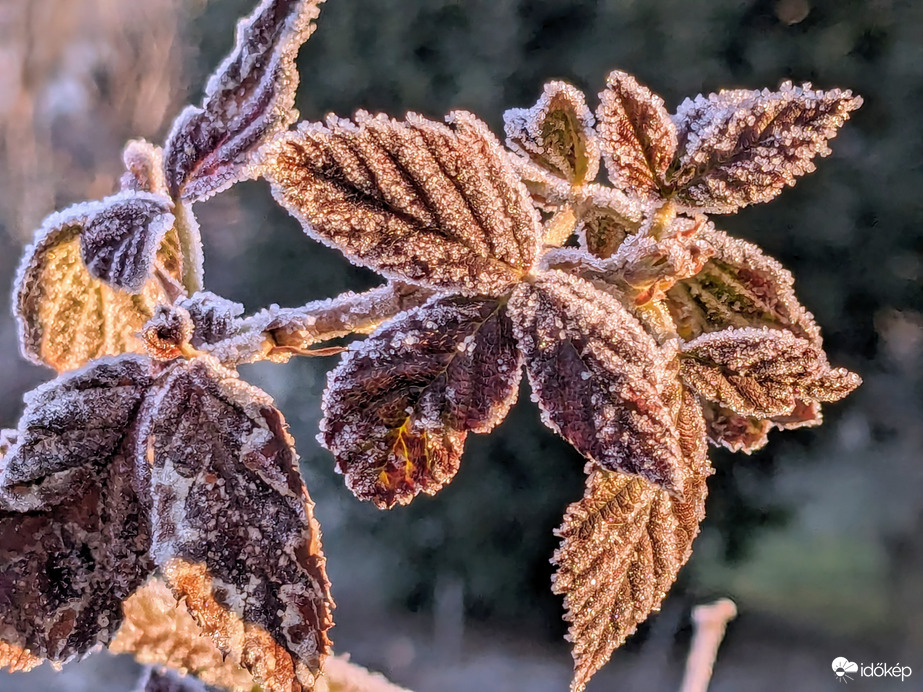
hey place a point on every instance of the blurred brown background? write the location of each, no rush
(818, 537)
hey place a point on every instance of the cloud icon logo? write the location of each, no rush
(842, 666)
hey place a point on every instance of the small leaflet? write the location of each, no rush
(397, 410)
(14, 659)
(249, 99)
(65, 569)
(70, 428)
(556, 134)
(416, 201)
(738, 287)
(636, 135)
(598, 377)
(762, 372)
(747, 434)
(167, 334)
(119, 242)
(66, 317)
(213, 318)
(234, 529)
(622, 546)
(740, 147)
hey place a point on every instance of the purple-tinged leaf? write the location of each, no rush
(119, 243)
(417, 201)
(739, 147)
(249, 99)
(762, 372)
(636, 135)
(738, 287)
(398, 408)
(556, 134)
(598, 377)
(234, 530)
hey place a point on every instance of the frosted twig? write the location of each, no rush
(709, 622)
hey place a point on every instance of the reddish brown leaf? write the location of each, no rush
(598, 377)
(248, 99)
(556, 134)
(741, 147)
(233, 524)
(397, 409)
(636, 135)
(747, 434)
(416, 200)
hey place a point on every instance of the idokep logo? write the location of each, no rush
(846, 670)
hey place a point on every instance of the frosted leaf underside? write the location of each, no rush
(762, 373)
(622, 546)
(598, 377)
(556, 134)
(636, 135)
(234, 529)
(397, 409)
(748, 433)
(66, 317)
(738, 287)
(743, 147)
(249, 99)
(417, 200)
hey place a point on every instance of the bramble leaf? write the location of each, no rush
(416, 201)
(249, 99)
(762, 372)
(556, 134)
(743, 147)
(622, 547)
(66, 317)
(636, 135)
(234, 530)
(747, 434)
(598, 377)
(738, 287)
(398, 408)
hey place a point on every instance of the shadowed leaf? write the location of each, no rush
(743, 147)
(556, 133)
(598, 377)
(398, 408)
(417, 200)
(248, 99)
(636, 135)
(234, 530)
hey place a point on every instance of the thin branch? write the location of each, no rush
(710, 622)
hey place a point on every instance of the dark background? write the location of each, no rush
(818, 537)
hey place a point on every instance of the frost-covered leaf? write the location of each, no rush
(66, 317)
(213, 318)
(65, 569)
(398, 408)
(143, 163)
(417, 200)
(556, 133)
(636, 135)
(71, 426)
(747, 434)
(602, 230)
(119, 243)
(762, 372)
(249, 98)
(14, 659)
(159, 630)
(598, 377)
(167, 334)
(738, 287)
(622, 547)
(743, 147)
(234, 530)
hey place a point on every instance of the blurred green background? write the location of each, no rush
(818, 537)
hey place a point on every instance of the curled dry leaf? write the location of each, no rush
(743, 147)
(234, 529)
(556, 134)
(747, 434)
(66, 317)
(248, 99)
(636, 135)
(65, 569)
(622, 546)
(738, 287)
(397, 409)
(416, 201)
(598, 377)
(762, 372)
